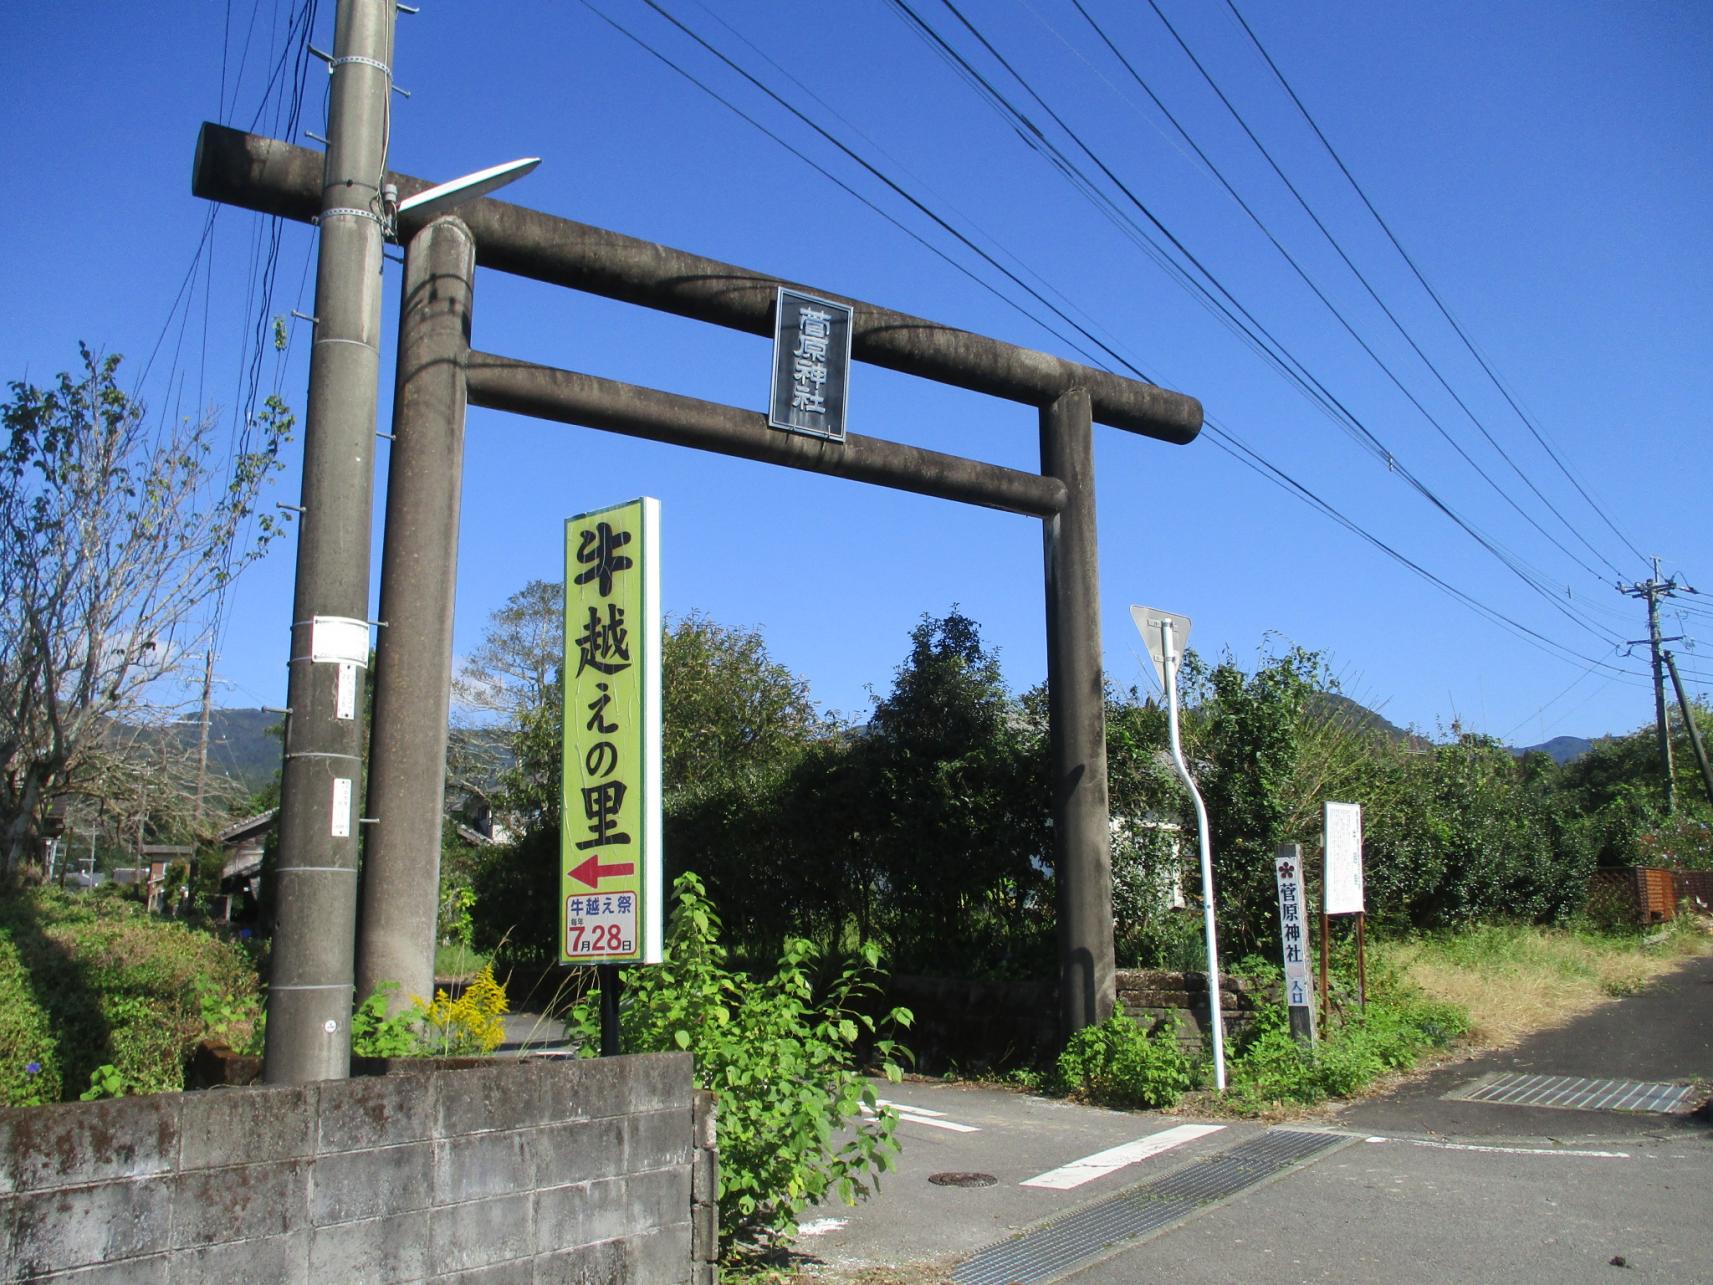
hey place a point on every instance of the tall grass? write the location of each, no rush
(1514, 979)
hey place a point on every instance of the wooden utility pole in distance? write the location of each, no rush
(1652, 591)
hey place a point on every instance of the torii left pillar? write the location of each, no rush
(413, 656)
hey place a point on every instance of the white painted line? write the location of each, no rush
(916, 1115)
(821, 1226)
(1511, 1151)
(905, 1106)
(1109, 1161)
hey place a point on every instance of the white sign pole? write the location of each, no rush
(1169, 657)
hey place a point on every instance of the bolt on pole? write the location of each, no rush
(315, 888)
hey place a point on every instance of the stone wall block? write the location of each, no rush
(481, 1233)
(222, 1127)
(706, 1116)
(376, 1251)
(375, 1111)
(55, 1231)
(512, 1096)
(656, 1139)
(611, 1208)
(244, 1202)
(598, 1088)
(659, 1258)
(578, 1151)
(351, 1185)
(278, 1260)
(477, 1166)
(75, 1143)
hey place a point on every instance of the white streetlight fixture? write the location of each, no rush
(442, 197)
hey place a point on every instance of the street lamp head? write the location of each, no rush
(418, 210)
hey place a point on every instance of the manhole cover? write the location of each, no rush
(962, 1179)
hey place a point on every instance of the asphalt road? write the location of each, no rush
(1419, 1187)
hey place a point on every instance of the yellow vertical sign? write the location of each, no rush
(609, 869)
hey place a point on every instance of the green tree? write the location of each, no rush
(1251, 730)
(114, 537)
(737, 727)
(958, 809)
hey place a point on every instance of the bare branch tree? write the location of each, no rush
(115, 539)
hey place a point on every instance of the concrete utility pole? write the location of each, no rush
(309, 998)
(1652, 591)
(413, 658)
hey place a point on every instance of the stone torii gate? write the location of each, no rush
(439, 374)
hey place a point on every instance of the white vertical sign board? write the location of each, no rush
(1293, 931)
(1342, 877)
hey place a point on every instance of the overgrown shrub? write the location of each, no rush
(29, 1054)
(797, 1121)
(1272, 1068)
(1118, 1064)
(110, 985)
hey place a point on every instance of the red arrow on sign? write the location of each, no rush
(592, 871)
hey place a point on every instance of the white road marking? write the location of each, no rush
(1114, 1158)
(1509, 1151)
(922, 1115)
(821, 1226)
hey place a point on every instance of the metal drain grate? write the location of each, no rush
(1049, 1251)
(1576, 1093)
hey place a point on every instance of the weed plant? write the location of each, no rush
(797, 1122)
(1272, 1069)
(1118, 1064)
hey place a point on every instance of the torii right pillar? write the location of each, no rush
(1076, 694)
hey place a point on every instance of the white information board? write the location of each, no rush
(1341, 885)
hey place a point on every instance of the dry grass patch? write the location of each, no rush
(1514, 981)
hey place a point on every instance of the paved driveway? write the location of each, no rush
(1417, 1186)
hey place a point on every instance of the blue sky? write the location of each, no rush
(1546, 166)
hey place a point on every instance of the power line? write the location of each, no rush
(1276, 474)
(1433, 294)
(1037, 138)
(1360, 277)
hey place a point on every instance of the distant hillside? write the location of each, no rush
(1561, 749)
(1356, 717)
(244, 745)
(239, 745)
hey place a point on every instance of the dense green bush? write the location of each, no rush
(103, 984)
(797, 1122)
(1118, 1064)
(1271, 1067)
(29, 1055)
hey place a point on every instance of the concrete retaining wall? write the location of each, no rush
(973, 1025)
(543, 1169)
(1154, 997)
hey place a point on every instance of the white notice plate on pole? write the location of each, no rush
(333, 639)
